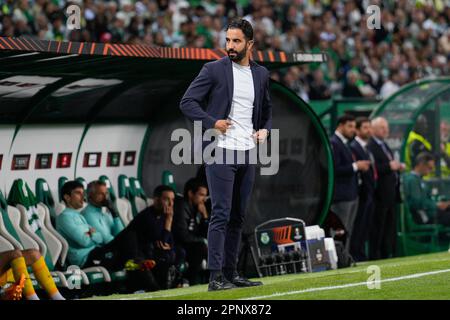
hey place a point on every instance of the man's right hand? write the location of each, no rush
(395, 165)
(363, 165)
(91, 231)
(202, 209)
(222, 125)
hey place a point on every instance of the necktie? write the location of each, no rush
(386, 151)
(389, 155)
(372, 161)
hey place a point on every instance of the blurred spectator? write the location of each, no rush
(351, 88)
(318, 89)
(390, 86)
(413, 41)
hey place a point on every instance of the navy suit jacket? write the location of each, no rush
(210, 95)
(368, 182)
(346, 181)
(387, 192)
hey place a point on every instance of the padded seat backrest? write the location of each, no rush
(127, 192)
(27, 241)
(53, 244)
(6, 228)
(44, 195)
(140, 196)
(61, 182)
(124, 209)
(5, 245)
(167, 179)
(63, 242)
(24, 199)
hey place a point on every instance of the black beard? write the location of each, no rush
(239, 55)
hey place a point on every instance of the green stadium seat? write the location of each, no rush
(5, 245)
(44, 195)
(16, 227)
(61, 182)
(60, 205)
(127, 192)
(417, 238)
(25, 201)
(141, 199)
(167, 179)
(123, 206)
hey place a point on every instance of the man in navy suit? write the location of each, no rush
(387, 192)
(366, 184)
(346, 167)
(230, 95)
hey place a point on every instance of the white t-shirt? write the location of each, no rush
(240, 134)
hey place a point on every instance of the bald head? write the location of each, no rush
(380, 128)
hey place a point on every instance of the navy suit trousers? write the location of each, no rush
(230, 186)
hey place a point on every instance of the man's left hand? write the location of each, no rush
(261, 135)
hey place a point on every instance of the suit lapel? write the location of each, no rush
(256, 83)
(256, 87)
(229, 78)
(346, 147)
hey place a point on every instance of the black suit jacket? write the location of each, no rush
(346, 183)
(387, 192)
(368, 181)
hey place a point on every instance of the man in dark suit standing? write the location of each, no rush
(346, 167)
(387, 192)
(235, 92)
(366, 188)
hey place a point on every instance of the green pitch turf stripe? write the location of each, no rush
(411, 276)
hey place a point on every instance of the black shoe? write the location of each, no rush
(239, 281)
(220, 283)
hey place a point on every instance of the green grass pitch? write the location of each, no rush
(415, 277)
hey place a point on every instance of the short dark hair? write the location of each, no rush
(360, 121)
(158, 191)
(244, 25)
(193, 185)
(423, 158)
(69, 186)
(345, 118)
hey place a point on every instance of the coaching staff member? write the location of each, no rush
(235, 92)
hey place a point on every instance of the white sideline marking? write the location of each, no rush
(349, 285)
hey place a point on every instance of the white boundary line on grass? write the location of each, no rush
(349, 285)
(280, 294)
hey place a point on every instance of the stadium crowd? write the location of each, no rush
(413, 40)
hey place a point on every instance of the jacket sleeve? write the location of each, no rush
(417, 200)
(77, 232)
(341, 169)
(180, 228)
(266, 118)
(195, 96)
(116, 226)
(383, 167)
